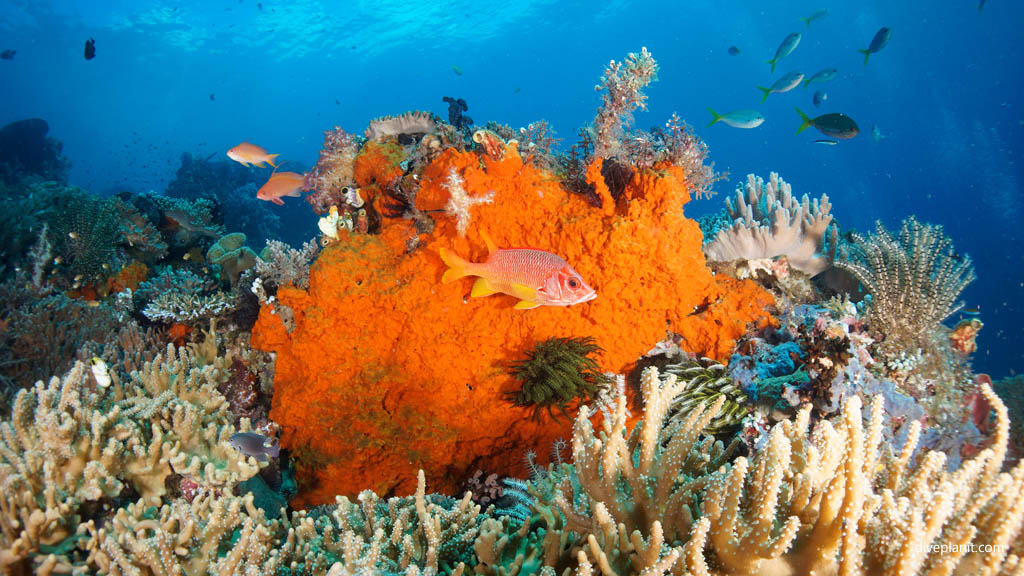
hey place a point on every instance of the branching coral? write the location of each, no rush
(558, 372)
(74, 441)
(914, 280)
(182, 296)
(768, 221)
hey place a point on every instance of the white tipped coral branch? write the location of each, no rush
(768, 222)
(460, 202)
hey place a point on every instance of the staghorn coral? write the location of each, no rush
(410, 333)
(558, 372)
(835, 501)
(623, 84)
(72, 441)
(769, 221)
(914, 280)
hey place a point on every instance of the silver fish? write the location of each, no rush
(788, 45)
(256, 445)
(823, 75)
(784, 84)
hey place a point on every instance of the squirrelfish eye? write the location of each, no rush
(574, 283)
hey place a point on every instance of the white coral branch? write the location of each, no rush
(460, 202)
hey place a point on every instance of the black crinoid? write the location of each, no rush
(558, 372)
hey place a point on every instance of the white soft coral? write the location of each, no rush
(460, 201)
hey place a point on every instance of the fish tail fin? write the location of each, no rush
(772, 62)
(270, 160)
(807, 83)
(807, 21)
(806, 122)
(457, 267)
(715, 116)
(867, 54)
(766, 91)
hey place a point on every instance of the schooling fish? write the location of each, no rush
(880, 40)
(536, 277)
(835, 125)
(8, 54)
(256, 445)
(788, 45)
(738, 118)
(282, 184)
(784, 84)
(814, 17)
(823, 75)
(876, 134)
(734, 51)
(250, 154)
(819, 97)
(90, 49)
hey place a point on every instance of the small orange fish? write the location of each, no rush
(536, 277)
(250, 154)
(282, 184)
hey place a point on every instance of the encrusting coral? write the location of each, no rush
(768, 221)
(378, 367)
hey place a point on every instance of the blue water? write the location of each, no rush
(945, 92)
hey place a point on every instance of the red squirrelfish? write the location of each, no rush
(248, 154)
(536, 277)
(282, 184)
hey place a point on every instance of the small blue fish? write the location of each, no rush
(881, 40)
(971, 311)
(256, 445)
(826, 142)
(734, 51)
(784, 84)
(823, 75)
(817, 15)
(819, 97)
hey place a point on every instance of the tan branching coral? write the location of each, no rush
(73, 440)
(914, 280)
(835, 501)
(768, 221)
(842, 502)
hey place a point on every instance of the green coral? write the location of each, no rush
(706, 380)
(557, 372)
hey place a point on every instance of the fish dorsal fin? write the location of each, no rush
(491, 246)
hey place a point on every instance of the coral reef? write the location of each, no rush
(281, 265)
(914, 281)
(396, 391)
(408, 123)
(27, 152)
(73, 443)
(768, 221)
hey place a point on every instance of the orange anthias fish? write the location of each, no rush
(282, 184)
(248, 154)
(536, 277)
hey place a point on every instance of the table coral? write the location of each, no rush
(387, 370)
